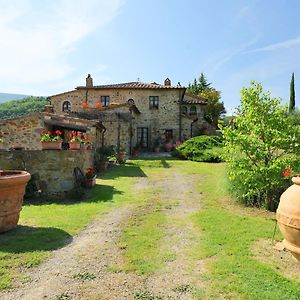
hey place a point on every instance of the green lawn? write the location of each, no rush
(46, 227)
(226, 232)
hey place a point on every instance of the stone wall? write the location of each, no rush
(156, 120)
(54, 169)
(22, 132)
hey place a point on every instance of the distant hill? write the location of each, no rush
(7, 97)
(24, 106)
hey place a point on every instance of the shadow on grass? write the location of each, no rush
(127, 170)
(99, 193)
(102, 193)
(165, 164)
(24, 239)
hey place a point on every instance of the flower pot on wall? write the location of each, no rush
(87, 146)
(74, 145)
(51, 145)
(288, 217)
(12, 190)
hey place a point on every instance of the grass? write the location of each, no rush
(225, 241)
(226, 231)
(49, 226)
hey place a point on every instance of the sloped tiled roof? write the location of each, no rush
(133, 85)
(192, 99)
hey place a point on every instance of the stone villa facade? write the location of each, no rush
(135, 113)
(127, 115)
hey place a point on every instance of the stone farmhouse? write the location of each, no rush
(127, 115)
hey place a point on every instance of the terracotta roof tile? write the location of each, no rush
(192, 99)
(133, 85)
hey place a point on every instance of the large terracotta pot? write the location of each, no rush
(288, 217)
(12, 190)
(74, 145)
(51, 145)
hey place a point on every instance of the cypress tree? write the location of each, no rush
(292, 94)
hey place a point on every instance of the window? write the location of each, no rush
(66, 106)
(105, 101)
(184, 110)
(142, 137)
(193, 110)
(153, 102)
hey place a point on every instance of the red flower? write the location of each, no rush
(58, 132)
(287, 172)
(44, 131)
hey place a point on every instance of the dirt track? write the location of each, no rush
(80, 270)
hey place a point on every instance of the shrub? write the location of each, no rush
(201, 148)
(260, 144)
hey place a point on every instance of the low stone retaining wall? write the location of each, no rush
(52, 169)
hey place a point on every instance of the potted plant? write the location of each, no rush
(136, 150)
(102, 157)
(75, 141)
(121, 156)
(51, 140)
(168, 145)
(87, 144)
(90, 178)
(157, 145)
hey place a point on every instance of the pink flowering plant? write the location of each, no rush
(48, 136)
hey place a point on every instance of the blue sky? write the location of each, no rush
(49, 46)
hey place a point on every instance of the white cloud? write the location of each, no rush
(287, 44)
(37, 37)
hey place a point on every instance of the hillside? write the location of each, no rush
(4, 97)
(16, 108)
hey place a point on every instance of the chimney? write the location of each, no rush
(89, 81)
(167, 82)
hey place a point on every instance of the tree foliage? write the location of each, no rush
(214, 108)
(292, 94)
(198, 86)
(260, 144)
(16, 108)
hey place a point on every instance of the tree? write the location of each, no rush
(214, 108)
(16, 108)
(203, 84)
(292, 94)
(261, 143)
(198, 86)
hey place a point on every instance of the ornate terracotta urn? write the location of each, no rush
(288, 217)
(12, 190)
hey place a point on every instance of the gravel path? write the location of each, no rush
(80, 270)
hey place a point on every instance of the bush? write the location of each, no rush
(201, 148)
(260, 144)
